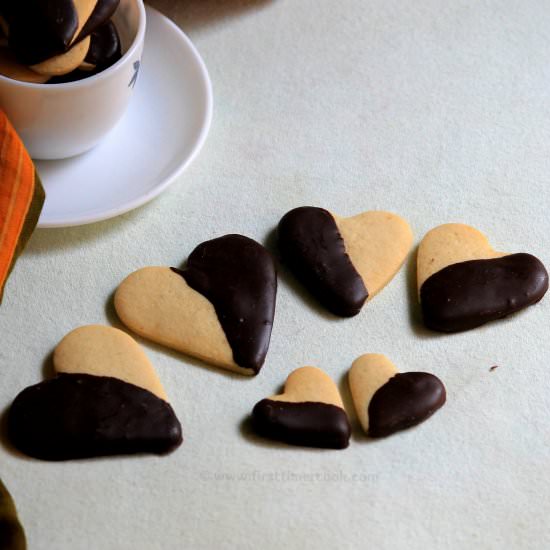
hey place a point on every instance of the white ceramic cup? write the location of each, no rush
(57, 121)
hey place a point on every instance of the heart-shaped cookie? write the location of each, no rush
(12, 536)
(309, 412)
(343, 261)
(387, 401)
(219, 308)
(105, 400)
(105, 351)
(463, 282)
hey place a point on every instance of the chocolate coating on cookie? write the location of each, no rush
(39, 30)
(103, 11)
(238, 276)
(468, 294)
(312, 246)
(308, 424)
(12, 536)
(104, 47)
(104, 51)
(81, 416)
(404, 401)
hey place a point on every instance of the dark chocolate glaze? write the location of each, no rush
(468, 294)
(104, 51)
(404, 401)
(308, 424)
(39, 30)
(104, 46)
(81, 416)
(312, 247)
(12, 536)
(103, 11)
(238, 276)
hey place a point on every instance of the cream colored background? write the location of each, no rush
(436, 110)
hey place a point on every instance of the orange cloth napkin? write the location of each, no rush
(21, 198)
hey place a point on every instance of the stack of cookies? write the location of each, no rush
(57, 41)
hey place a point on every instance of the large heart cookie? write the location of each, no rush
(343, 261)
(104, 351)
(309, 412)
(219, 308)
(387, 401)
(105, 400)
(463, 282)
(12, 536)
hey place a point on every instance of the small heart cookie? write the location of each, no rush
(12, 536)
(387, 401)
(309, 412)
(463, 282)
(105, 400)
(343, 261)
(220, 308)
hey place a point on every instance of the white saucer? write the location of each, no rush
(160, 134)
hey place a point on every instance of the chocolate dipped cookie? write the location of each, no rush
(46, 41)
(105, 400)
(387, 401)
(218, 308)
(464, 283)
(308, 413)
(343, 262)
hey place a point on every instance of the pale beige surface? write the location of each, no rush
(84, 9)
(65, 62)
(368, 373)
(9, 66)
(448, 244)
(158, 304)
(106, 351)
(310, 384)
(377, 243)
(435, 110)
